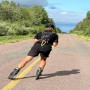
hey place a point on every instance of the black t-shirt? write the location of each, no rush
(52, 38)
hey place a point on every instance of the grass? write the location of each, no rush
(86, 38)
(12, 39)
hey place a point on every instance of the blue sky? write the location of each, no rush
(65, 13)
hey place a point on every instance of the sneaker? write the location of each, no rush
(12, 74)
(38, 73)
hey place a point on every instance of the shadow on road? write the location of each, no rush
(61, 73)
(58, 73)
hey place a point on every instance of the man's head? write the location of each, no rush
(49, 26)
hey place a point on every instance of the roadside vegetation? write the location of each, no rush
(12, 39)
(83, 37)
(18, 23)
(82, 29)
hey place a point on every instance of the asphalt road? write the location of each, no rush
(67, 68)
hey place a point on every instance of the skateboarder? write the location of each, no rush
(43, 46)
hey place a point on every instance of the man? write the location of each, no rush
(43, 46)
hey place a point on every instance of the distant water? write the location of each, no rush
(65, 27)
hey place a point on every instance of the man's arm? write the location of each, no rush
(37, 37)
(55, 43)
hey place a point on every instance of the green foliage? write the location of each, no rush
(58, 30)
(83, 28)
(22, 31)
(14, 38)
(88, 15)
(39, 15)
(3, 29)
(18, 20)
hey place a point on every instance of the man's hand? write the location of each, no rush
(55, 44)
(36, 40)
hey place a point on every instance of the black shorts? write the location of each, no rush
(35, 51)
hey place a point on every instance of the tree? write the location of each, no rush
(84, 26)
(22, 20)
(39, 15)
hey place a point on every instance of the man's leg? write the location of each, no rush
(20, 65)
(44, 56)
(24, 61)
(41, 67)
(42, 62)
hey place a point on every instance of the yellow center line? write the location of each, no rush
(10, 85)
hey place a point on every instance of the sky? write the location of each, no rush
(65, 13)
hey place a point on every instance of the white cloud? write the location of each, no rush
(63, 12)
(65, 16)
(65, 20)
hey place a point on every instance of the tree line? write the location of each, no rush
(83, 27)
(18, 20)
